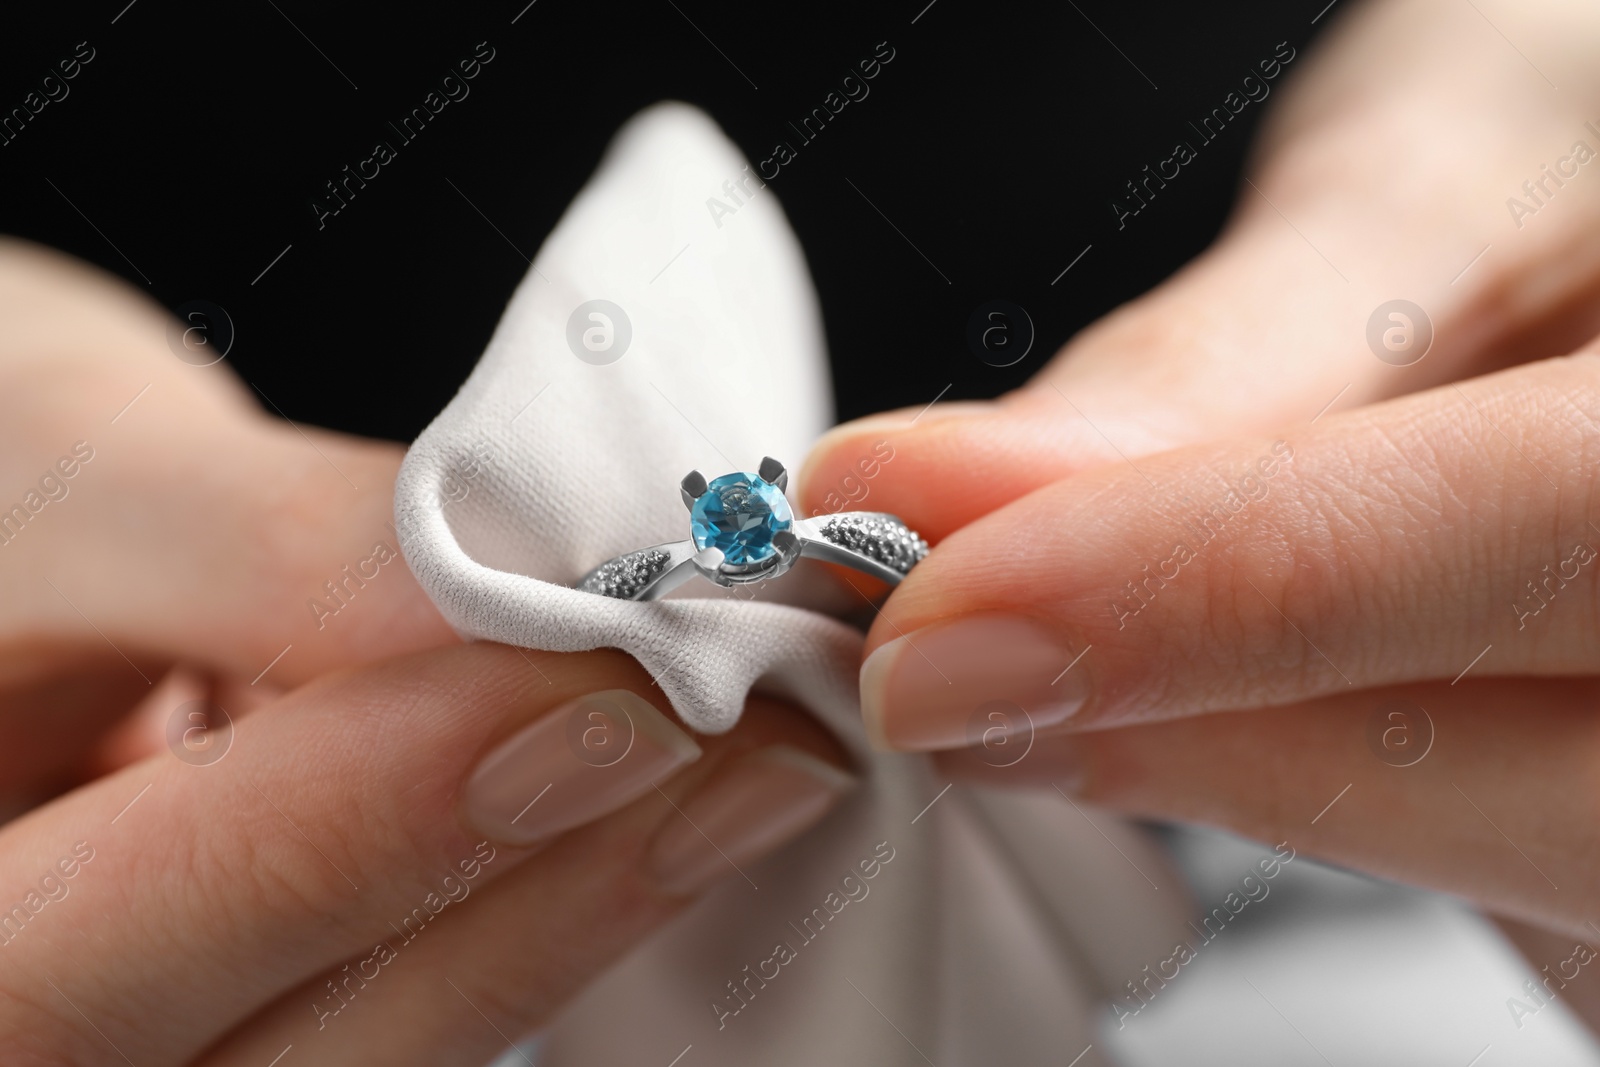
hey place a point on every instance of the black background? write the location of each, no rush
(193, 144)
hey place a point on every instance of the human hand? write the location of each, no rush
(1350, 573)
(1269, 326)
(1393, 537)
(155, 517)
(354, 878)
(169, 538)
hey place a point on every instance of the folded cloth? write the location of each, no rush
(991, 924)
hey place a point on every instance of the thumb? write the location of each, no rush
(1404, 542)
(155, 507)
(221, 545)
(1256, 333)
(156, 515)
(1186, 362)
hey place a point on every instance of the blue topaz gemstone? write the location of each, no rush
(740, 513)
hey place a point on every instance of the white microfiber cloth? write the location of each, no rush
(999, 921)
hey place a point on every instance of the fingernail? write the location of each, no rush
(946, 685)
(746, 811)
(585, 759)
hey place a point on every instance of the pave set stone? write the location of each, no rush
(885, 539)
(624, 576)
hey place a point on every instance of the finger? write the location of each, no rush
(1188, 362)
(1405, 542)
(161, 519)
(163, 516)
(1276, 321)
(1479, 789)
(184, 713)
(327, 814)
(53, 709)
(297, 571)
(1167, 370)
(498, 968)
(1556, 960)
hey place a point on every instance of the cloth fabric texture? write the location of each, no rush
(1002, 919)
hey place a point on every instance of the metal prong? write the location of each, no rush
(709, 559)
(773, 473)
(693, 487)
(788, 546)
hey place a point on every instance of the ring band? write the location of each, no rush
(743, 531)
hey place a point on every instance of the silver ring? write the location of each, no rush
(742, 530)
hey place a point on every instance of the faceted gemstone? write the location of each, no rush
(740, 513)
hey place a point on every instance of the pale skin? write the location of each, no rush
(1394, 547)
(1397, 538)
(203, 927)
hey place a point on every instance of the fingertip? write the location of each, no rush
(974, 679)
(845, 465)
(942, 469)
